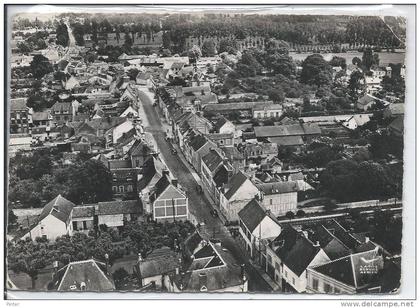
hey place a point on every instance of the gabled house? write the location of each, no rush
(279, 197)
(364, 272)
(237, 193)
(366, 102)
(206, 267)
(356, 121)
(224, 126)
(139, 152)
(289, 256)
(169, 201)
(151, 172)
(256, 224)
(196, 148)
(20, 116)
(83, 276)
(156, 266)
(63, 112)
(54, 220)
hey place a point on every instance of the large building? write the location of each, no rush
(20, 116)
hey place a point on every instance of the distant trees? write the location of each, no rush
(316, 71)
(40, 66)
(369, 59)
(62, 35)
(346, 181)
(194, 53)
(209, 48)
(338, 61)
(229, 46)
(356, 85)
(33, 181)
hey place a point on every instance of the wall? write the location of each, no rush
(280, 203)
(50, 226)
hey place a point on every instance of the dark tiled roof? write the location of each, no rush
(301, 255)
(160, 187)
(219, 123)
(89, 272)
(287, 130)
(119, 163)
(139, 148)
(287, 140)
(221, 177)
(252, 214)
(59, 207)
(118, 207)
(197, 142)
(151, 167)
(62, 107)
(83, 211)
(213, 160)
(278, 187)
(160, 261)
(235, 183)
(350, 269)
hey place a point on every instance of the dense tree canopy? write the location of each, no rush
(316, 71)
(40, 66)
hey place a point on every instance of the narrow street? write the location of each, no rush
(199, 205)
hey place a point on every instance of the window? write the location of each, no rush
(114, 188)
(121, 189)
(293, 281)
(84, 225)
(44, 236)
(327, 288)
(129, 188)
(315, 284)
(269, 259)
(285, 274)
(74, 226)
(271, 201)
(181, 210)
(277, 266)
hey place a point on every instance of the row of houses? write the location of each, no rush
(326, 258)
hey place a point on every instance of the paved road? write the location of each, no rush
(199, 206)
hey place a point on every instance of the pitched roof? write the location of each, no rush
(59, 207)
(366, 99)
(83, 211)
(160, 261)
(62, 107)
(278, 187)
(301, 255)
(212, 160)
(221, 177)
(397, 124)
(88, 272)
(357, 270)
(252, 214)
(139, 148)
(287, 130)
(151, 167)
(18, 104)
(40, 116)
(220, 122)
(285, 241)
(118, 207)
(287, 140)
(235, 183)
(197, 142)
(396, 109)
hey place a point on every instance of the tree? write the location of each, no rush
(316, 71)
(229, 46)
(281, 64)
(338, 61)
(194, 53)
(209, 48)
(369, 59)
(62, 35)
(89, 182)
(120, 277)
(37, 102)
(29, 257)
(290, 215)
(40, 66)
(11, 219)
(300, 213)
(356, 84)
(23, 47)
(132, 73)
(356, 61)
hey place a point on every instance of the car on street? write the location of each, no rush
(214, 213)
(173, 151)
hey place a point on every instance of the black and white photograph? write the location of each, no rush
(215, 149)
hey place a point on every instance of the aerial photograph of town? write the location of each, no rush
(220, 151)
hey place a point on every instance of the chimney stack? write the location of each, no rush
(243, 272)
(367, 239)
(106, 263)
(202, 280)
(175, 182)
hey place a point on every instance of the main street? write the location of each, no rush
(199, 205)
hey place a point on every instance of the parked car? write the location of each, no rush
(174, 151)
(199, 189)
(214, 213)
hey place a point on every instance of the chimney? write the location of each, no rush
(106, 263)
(175, 182)
(139, 258)
(316, 244)
(165, 172)
(202, 280)
(243, 272)
(367, 239)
